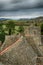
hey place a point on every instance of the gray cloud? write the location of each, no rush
(21, 7)
(28, 12)
(20, 4)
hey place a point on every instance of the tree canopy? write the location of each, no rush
(10, 26)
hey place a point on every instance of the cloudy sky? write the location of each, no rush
(21, 8)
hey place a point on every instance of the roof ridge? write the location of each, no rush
(5, 50)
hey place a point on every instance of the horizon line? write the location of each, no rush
(18, 17)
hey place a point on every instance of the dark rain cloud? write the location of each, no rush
(20, 4)
(21, 7)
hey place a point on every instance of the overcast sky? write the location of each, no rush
(21, 8)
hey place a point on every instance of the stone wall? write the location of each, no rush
(9, 40)
(35, 32)
(20, 53)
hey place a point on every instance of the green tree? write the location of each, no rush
(10, 26)
(21, 29)
(2, 34)
(36, 24)
(1, 27)
(41, 29)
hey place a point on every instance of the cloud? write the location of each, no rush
(21, 7)
(23, 13)
(20, 4)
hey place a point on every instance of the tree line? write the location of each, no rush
(10, 27)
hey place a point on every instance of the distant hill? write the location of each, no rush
(37, 19)
(3, 19)
(23, 19)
